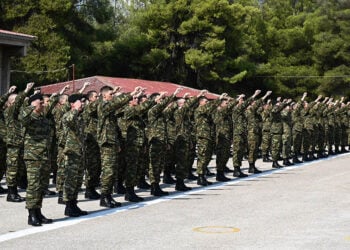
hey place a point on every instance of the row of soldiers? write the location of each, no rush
(116, 139)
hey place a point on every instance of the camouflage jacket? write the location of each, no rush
(253, 117)
(205, 127)
(297, 120)
(90, 120)
(223, 121)
(286, 116)
(308, 115)
(134, 124)
(37, 136)
(14, 133)
(108, 131)
(170, 123)
(3, 100)
(157, 127)
(239, 117)
(276, 119)
(183, 121)
(73, 130)
(266, 119)
(57, 113)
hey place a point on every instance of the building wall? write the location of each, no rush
(4, 71)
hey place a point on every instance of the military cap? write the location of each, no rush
(34, 97)
(75, 97)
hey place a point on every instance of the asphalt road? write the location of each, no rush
(301, 207)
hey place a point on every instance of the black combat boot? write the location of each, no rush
(13, 195)
(296, 160)
(191, 176)
(91, 194)
(238, 173)
(157, 191)
(253, 169)
(71, 210)
(227, 170)
(305, 158)
(266, 158)
(220, 176)
(60, 198)
(202, 181)
(131, 196)
(143, 184)
(208, 173)
(336, 151)
(180, 185)
(276, 165)
(119, 187)
(287, 163)
(168, 179)
(42, 218)
(107, 201)
(81, 212)
(343, 149)
(33, 218)
(3, 190)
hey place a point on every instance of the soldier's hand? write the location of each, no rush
(53, 95)
(29, 87)
(278, 99)
(37, 91)
(12, 89)
(222, 96)
(116, 89)
(178, 90)
(64, 89)
(203, 92)
(185, 95)
(257, 92)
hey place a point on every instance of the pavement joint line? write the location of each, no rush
(73, 221)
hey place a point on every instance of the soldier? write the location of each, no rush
(223, 133)
(266, 135)
(107, 137)
(182, 144)
(14, 142)
(135, 143)
(286, 135)
(297, 129)
(277, 130)
(240, 132)
(36, 156)
(73, 156)
(92, 150)
(254, 132)
(157, 138)
(329, 113)
(3, 149)
(344, 125)
(205, 135)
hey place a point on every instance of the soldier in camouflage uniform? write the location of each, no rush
(205, 135)
(329, 113)
(92, 150)
(321, 121)
(3, 149)
(135, 144)
(286, 116)
(277, 131)
(183, 124)
(14, 142)
(254, 131)
(223, 133)
(344, 125)
(73, 155)
(337, 127)
(107, 138)
(36, 142)
(157, 138)
(297, 129)
(266, 135)
(240, 133)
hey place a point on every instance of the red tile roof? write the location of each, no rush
(16, 34)
(127, 85)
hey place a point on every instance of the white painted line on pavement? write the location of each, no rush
(73, 221)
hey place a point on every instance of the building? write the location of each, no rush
(11, 44)
(127, 84)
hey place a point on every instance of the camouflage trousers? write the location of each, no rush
(53, 154)
(276, 142)
(109, 167)
(337, 135)
(15, 165)
(73, 173)
(182, 152)
(330, 137)
(144, 161)
(286, 145)
(321, 139)
(170, 158)
(133, 163)
(192, 152)
(119, 174)
(3, 150)
(37, 182)
(307, 139)
(297, 142)
(205, 148)
(253, 146)
(157, 152)
(239, 149)
(344, 136)
(265, 142)
(93, 164)
(60, 170)
(222, 151)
